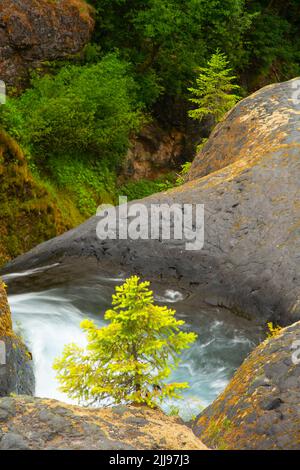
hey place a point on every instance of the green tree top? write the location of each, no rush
(129, 359)
(214, 92)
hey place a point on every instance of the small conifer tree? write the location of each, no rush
(214, 94)
(129, 359)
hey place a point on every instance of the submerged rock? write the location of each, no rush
(37, 31)
(260, 407)
(35, 423)
(16, 374)
(249, 262)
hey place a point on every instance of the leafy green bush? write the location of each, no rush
(91, 182)
(130, 358)
(88, 110)
(272, 43)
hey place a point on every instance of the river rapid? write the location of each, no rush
(47, 313)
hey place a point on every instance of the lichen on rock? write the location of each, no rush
(259, 410)
(44, 424)
(35, 31)
(16, 373)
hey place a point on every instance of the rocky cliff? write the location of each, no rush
(249, 262)
(260, 407)
(154, 152)
(16, 375)
(33, 32)
(33, 423)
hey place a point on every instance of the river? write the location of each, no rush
(48, 314)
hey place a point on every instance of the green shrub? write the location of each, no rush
(91, 182)
(145, 187)
(88, 110)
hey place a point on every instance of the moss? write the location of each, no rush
(5, 318)
(24, 198)
(216, 432)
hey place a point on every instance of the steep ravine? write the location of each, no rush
(249, 264)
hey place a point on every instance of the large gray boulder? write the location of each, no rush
(259, 410)
(28, 423)
(250, 259)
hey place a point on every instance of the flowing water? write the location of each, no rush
(49, 318)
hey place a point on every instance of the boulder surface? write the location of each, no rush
(260, 407)
(34, 423)
(16, 374)
(36, 31)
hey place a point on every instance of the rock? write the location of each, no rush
(24, 199)
(16, 374)
(259, 414)
(250, 259)
(37, 31)
(155, 151)
(42, 424)
(253, 128)
(12, 441)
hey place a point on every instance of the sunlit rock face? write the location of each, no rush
(253, 129)
(16, 375)
(250, 259)
(260, 407)
(36, 31)
(35, 423)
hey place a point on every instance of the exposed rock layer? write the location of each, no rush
(33, 423)
(36, 31)
(155, 151)
(260, 407)
(250, 260)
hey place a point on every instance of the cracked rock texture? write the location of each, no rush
(250, 259)
(16, 374)
(260, 407)
(37, 31)
(34, 423)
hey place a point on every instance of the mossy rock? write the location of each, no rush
(29, 212)
(259, 410)
(16, 373)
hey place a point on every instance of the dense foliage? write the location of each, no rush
(75, 123)
(167, 39)
(86, 110)
(273, 42)
(130, 359)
